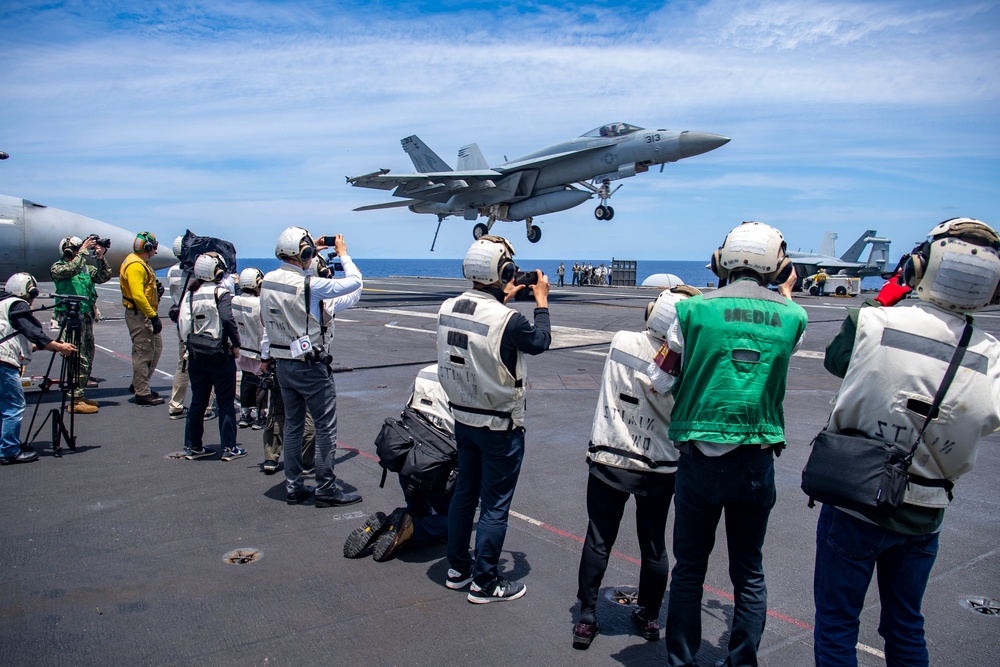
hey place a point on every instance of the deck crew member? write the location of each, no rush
(141, 299)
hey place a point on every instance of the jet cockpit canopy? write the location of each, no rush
(612, 130)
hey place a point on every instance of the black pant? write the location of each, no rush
(204, 375)
(248, 390)
(605, 508)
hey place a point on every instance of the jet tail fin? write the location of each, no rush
(470, 158)
(424, 159)
(854, 252)
(827, 247)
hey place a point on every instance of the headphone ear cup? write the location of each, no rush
(913, 270)
(716, 265)
(507, 271)
(784, 271)
(307, 253)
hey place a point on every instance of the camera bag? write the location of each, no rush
(853, 471)
(418, 450)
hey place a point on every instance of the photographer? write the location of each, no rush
(207, 326)
(291, 301)
(19, 330)
(141, 298)
(481, 346)
(894, 361)
(72, 276)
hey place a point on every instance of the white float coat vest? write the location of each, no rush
(283, 306)
(176, 279)
(899, 359)
(15, 350)
(481, 391)
(246, 312)
(199, 312)
(631, 421)
(430, 400)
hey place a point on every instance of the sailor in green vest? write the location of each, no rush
(73, 275)
(726, 358)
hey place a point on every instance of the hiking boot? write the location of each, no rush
(148, 399)
(398, 531)
(458, 580)
(199, 453)
(21, 457)
(88, 401)
(179, 414)
(300, 496)
(270, 467)
(81, 408)
(361, 538)
(584, 633)
(233, 454)
(498, 590)
(648, 629)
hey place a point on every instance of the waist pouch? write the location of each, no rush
(205, 348)
(856, 472)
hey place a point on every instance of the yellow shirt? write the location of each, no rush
(138, 285)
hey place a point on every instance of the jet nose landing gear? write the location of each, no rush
(604, 212)
(534, 231)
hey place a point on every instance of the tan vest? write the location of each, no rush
(631, 421)
(246, 312)
(283, 308)
(15, 350)
(900, 357)
(481, 391)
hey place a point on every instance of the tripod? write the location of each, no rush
(72, 326)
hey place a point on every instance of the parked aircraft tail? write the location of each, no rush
(854, 252)
(424, 159)
(827, 247)
(470, 158)
(879, 256)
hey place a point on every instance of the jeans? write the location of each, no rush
(204, 377)
(741, 483)
(428, 511)
(11, 411)
(309, 385)
(848, 550)
(489, 463)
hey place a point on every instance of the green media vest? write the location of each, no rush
(80, 284)
(737, 343)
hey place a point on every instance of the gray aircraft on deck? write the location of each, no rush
(849, 264)
(30, 234)
(552, 179)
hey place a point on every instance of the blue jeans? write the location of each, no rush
(489, 463)
(11, 411)
(204, 376)
(847, 553)
(741, 483)
(305, 385)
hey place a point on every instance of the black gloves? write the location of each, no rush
(157, 325)
(159, 290)
(174, 313)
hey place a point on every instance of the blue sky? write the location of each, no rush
(239, 118)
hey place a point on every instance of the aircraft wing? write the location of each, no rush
(833, 264)
(431, 183)
(541, 161)
(389, 204)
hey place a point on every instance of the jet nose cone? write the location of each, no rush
(696, 143)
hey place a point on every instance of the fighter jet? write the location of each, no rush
(552, 179)
(849, 264)
(30, 234)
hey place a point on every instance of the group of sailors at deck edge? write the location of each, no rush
(690, 411)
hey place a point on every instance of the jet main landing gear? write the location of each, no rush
(604, 212)
(534, 232)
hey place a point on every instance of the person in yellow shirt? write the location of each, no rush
(141, 298)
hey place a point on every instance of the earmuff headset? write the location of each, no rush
(33, 289)
(777, 277)
(916, 264)
(307, 248)
(506, 269)
(144, 242)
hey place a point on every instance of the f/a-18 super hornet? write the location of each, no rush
(552, 179)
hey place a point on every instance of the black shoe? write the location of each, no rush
(20, 457)
(270, 467)
(300, 496)
(148, 399)
(338, 499)
(361, 538)
(397, 533)
(648, 629)
(584, 633)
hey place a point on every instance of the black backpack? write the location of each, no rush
(419, 451)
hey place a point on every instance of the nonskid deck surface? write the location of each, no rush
(115, 553)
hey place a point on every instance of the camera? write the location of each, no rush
(104, 243)
(320, 356)
(526, 278)
(327, 241)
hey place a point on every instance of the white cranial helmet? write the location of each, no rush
(295, 243)
(23, 285)
(250, 279)
(661, 313)
(489, 260)
(68, 242)
(209, 267)
(753, 246)
(178, 246)
(958, 267)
